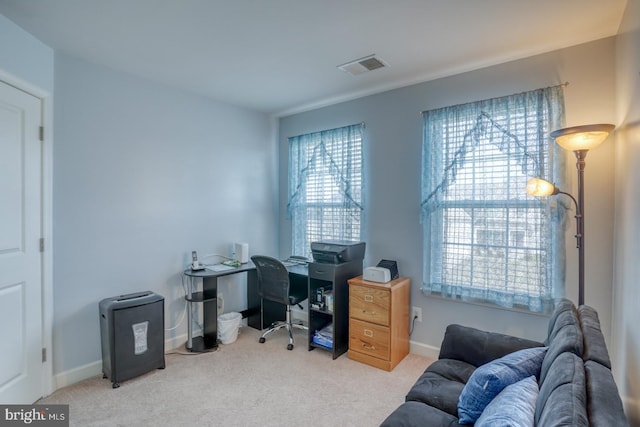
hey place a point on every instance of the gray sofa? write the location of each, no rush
(576, 387)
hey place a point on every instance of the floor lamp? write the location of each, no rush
(579, 139)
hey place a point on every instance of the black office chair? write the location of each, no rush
(273, 285)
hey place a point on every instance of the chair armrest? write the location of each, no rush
(479, 347)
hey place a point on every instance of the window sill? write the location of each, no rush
(516, 309)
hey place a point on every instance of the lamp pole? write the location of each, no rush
(580, 165)
(578, 139)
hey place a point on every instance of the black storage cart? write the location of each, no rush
(132, 332)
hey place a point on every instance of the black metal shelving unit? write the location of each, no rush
(334, 277)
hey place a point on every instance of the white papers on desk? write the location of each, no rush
(295, 260)
(218, 267)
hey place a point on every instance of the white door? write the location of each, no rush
(21, 368)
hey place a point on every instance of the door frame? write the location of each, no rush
(46, 217)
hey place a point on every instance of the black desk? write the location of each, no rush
(259, 314)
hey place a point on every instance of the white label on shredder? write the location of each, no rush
(140, 337)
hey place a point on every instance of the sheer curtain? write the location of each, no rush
(485, 239)
(325, 186)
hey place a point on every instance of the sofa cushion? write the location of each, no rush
(454, 370)
(566, 336)
(604, 407)
(416, 414)
(514, 406)
(595, 347)
(490, 379)
(563, 316)
(562, 398)
(478, 347)
(562, 306)
(441, 384)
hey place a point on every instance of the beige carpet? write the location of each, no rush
(246, 384)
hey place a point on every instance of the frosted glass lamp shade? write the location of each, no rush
(540, 188)
(580, 138)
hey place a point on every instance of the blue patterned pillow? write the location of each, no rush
(514, 406)
(491, 378)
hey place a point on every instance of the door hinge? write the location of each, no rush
(44, 355)
(42, 244)
(41, 133)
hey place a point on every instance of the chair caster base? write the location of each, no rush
(261, 340)
(290, 347)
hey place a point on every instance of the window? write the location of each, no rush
(325, 187)
(484, 238)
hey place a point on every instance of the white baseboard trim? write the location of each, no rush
(175, 343)
(72, 376)
(299, 315)
(424, 350)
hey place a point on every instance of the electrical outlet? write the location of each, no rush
(416, 313)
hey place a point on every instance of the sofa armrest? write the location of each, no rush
(595, 347)
(604, 406)
(478, 347)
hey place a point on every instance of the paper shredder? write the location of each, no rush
(132, 332)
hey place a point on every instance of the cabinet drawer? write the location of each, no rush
(318, 270)
(369, 304)
(370, 339)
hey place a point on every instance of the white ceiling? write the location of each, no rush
(280, 56)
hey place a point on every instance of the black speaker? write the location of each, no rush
(392, 266)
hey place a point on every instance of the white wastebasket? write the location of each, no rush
(228, 325)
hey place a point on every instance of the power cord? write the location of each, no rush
(413, 323)
(190, 353)
(184, 310)
(229, 261)
(217, 255)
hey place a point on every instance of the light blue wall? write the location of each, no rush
(626, 364)
(143, 175)
(25, 57)
(392, 172)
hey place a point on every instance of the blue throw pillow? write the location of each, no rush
(491, 378)
(514, 406)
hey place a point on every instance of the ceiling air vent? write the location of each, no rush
(362, 65)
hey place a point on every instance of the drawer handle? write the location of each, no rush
(373, 313)
(368, 333)
(368, 347)
(368, 298)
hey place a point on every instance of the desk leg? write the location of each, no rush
(254, 315)
(260, 314)
(190, 307)
(210, 312)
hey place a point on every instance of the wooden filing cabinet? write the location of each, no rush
(379, 321)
